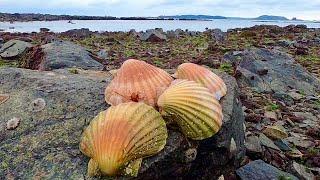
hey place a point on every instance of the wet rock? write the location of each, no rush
(14, 48)
(253, 145)
(65, 54)
(258, 169)
(301, 171)
(153, 36)
(265, 141)
(283, 74)
(46, 143)
(44, 30)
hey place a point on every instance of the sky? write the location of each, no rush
(302, 9)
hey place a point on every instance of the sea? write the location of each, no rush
(142, 25)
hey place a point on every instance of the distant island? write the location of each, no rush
(48, 17)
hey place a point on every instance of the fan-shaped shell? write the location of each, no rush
(137, 81)
(203, 76)
(192, 107)
(119, 137)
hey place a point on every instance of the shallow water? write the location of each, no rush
(140, 25)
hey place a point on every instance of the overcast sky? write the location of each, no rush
(304, 9)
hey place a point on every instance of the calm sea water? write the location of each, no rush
(126, 25)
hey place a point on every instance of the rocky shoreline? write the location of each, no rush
(51, 86)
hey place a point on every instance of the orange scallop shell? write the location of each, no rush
(203, 76)
(137, 81)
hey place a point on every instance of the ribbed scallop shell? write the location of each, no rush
(203, 76)
(137, 81)
(193, 108)
(119, 137)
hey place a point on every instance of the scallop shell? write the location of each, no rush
(203, 76)
(137, 81)
(193, 108)
(117, 139)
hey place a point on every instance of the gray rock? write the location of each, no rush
(267, 142)
(1, 42)
(153, 36)
(14, 48)
(282, 144)
(283, 72)
(46, 142)
(78, 33)
(217, 35)
(253, 145)
(172, 34)
(65, 54)
(103, 54)
(300, 171)
(258, 170)
(286, 43)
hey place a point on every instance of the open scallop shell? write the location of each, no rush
(203, 76)
(137, 81)
(193, 108)
(117, 139)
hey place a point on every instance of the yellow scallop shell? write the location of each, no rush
(193, 108)
(137, 81)
(117, 139)
(204, 76)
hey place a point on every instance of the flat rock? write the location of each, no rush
(14, 48)
(301, 171)
(258, 169)
(267, 142)
(65, 54)
(283, 74)
(54, 107)
(253, 145)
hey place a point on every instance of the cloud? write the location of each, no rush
(242, 8)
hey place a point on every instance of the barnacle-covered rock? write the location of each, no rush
(193, 108)
(137, 81)
(203, 76)
(117, 139)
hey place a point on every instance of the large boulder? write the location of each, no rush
(14, 48)
(53, 108)
(272, 71)
(65, 54)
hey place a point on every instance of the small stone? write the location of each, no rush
(13, 123)
(295, 153)
(4, 98)
(282, 144)
(301, 171)
(275, 132)
(270, 115)
(267, 142)
(253, 145)
(190, 155)
(295, 96)
(38, 105)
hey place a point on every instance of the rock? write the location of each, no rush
(44, 30)
(300, 171)
(253, 145)
(294, 95)
(294, 153)
(300, 142)
(46, 143)
(1, 42)
(217, 35)
(172, 34)
(103, 54)
(267, 142)
(258, 169)
(284, 97)
(153, 36)
(283, 74)
(306, 116)
(78, 33)
(270, 115)
(285, 43)
(65, 54)
(275, 132)
(14, 48)
(282, 144)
